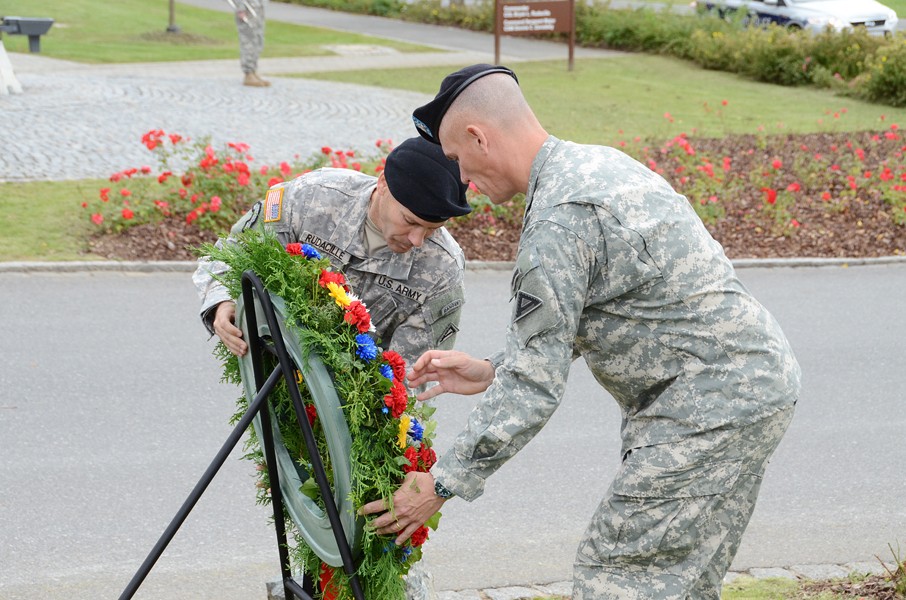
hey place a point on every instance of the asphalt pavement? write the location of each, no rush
(111, 408)
(111, 405)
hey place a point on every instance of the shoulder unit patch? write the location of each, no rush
(526, 303)
(450, 331)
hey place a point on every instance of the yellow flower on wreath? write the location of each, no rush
(338, 294)
(405, 423)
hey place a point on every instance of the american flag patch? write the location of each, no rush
(273, 205)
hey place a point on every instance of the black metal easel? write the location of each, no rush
(252, 290)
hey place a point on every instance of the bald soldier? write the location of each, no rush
(614, 266)
(386, 234)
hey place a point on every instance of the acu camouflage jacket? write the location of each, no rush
(615, 266)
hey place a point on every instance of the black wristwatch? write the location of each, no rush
(441, 491)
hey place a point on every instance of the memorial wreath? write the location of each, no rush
(391, 432)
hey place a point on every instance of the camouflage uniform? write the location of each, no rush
(415, 299)
(251, 32)
(615, 266)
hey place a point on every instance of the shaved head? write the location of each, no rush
(491, 131)
(494, 100)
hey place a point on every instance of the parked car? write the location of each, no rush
(810, 15)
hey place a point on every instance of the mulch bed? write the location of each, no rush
(860, 226)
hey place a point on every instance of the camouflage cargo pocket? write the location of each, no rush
(656, 516)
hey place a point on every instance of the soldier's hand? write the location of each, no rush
(413, 504)
(454, 372)
(226, 330)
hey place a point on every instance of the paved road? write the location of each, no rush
(111, 408)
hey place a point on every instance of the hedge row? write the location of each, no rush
(851, 63)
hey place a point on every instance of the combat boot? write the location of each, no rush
(252, 79)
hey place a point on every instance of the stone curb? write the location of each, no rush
(564, 588)
(474, 265)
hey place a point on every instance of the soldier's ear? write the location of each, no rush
(382, 187)
(478, 137)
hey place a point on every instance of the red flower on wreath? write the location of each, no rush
(312, 414)
(411, 454)
(397, 363)
(357, 314)
(397, 400)
(419, 537)
(428, 457)
(295, 249)
(331, 277)
(419, 460)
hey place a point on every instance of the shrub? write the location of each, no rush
(774, 55)
(844, 52)
(885, 80)
(714, 50)
(477, 16)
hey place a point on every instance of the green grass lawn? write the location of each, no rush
(42, 220)
(616, 99)
(135, 31)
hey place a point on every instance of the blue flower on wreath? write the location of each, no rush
(387, 371)
(406, 552)
(308, 251)
(365, 347)
(416, 430)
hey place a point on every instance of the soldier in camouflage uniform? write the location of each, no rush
(614, 266)
(386, 234)
(250, 25)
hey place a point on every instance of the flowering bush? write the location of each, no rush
(392, 434)
(779, 179)
(211, 193)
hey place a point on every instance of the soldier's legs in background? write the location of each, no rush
(251, 34)
(672, 520)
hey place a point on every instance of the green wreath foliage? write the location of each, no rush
(384, 439)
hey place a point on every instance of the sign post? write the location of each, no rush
(533, 17)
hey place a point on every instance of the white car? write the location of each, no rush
(811, 15)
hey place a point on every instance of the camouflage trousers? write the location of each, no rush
(674, 516)
(250, 24)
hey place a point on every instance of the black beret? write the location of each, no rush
(425, 181)
(427, 118)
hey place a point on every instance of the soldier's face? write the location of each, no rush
(401, 228)
(468, 146)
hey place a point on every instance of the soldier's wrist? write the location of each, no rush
(442, 492)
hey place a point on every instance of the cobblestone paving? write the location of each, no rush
(89, 124)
